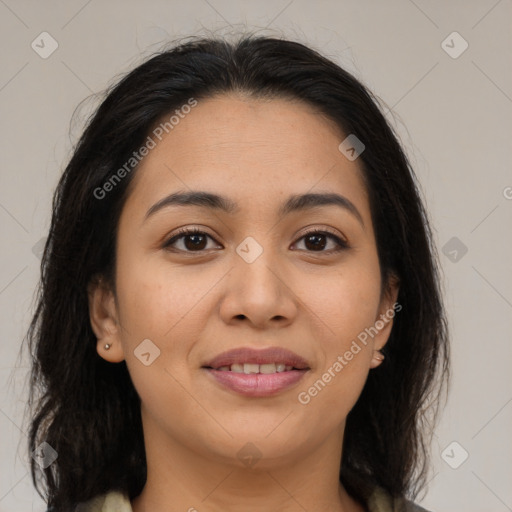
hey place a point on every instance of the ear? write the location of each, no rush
(388, 308)
(104, 320)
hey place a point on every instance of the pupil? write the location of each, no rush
(316, 238)
(197, 243)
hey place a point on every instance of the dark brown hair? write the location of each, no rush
(88, 410)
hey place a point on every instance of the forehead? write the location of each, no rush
(257, 151)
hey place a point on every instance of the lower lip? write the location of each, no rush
(257, 384)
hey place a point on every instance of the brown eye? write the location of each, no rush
(193, 240)
(317, 241)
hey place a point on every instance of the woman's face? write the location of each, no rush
(251, 279)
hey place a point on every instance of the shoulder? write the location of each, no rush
(412, 507)
(381, 501)
(376, 498)
(409, 506)
(112, 501)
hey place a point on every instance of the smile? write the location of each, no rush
(249, 368)
(257, 373)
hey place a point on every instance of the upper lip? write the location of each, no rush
(262, 356)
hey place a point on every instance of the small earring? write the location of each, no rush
(377, 354)
(107, 346)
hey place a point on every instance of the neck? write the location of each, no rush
(185, 479)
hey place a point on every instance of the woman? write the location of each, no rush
(239, 306)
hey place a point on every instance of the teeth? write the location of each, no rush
(250, 368)
(268, 368)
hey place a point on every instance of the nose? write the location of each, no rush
(259, 292)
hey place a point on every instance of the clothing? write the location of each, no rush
(377, 501)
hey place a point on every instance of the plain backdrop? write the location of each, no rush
(450, 96)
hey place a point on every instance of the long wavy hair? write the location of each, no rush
(87, 409)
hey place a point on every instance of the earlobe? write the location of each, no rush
(111, 352)
(377, 359)
(104, 323)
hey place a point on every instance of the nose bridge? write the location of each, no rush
(257, 262)
(258, 290)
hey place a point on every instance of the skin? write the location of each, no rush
(195, 305)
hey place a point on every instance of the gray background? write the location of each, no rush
(454, 118)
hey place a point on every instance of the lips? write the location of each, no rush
(257, 373)
(249, 357)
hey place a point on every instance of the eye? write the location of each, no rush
(193, 240)
(316, 240)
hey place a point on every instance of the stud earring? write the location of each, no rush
(377, 354)
(107, 346)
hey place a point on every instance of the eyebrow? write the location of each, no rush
(294, 203)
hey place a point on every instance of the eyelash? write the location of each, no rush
(342, 244)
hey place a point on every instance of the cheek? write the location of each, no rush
(331, 394)
(348, 305)
(157, 306)
(162, 308)
(344, 302)
(157, 299)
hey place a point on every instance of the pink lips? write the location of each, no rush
(257, 384)
(263, 356)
